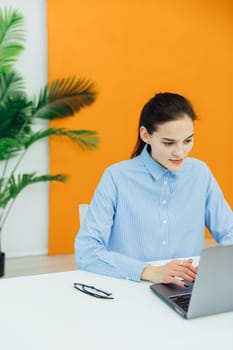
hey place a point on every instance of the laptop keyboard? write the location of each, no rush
(182, 301)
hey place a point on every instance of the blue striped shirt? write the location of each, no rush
(143, 212)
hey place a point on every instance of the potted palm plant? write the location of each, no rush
(61, 98)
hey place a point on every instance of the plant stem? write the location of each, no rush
(15, 167)
(7, 211)
(4, 171)
(5, 167)
(18, 162)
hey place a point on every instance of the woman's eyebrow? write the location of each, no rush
(189, 137)
(172, 140)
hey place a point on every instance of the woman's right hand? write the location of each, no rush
(168, 273)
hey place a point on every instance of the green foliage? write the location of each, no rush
(60, 100)
(16, 183)
(12, 37)
(18, 112)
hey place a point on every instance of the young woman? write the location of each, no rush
(156, 205)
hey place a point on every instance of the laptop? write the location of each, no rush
(212, 291)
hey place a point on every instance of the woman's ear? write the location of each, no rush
(144, 134)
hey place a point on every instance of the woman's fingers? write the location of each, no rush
(187, 270)
(183, 269)
(173, 272)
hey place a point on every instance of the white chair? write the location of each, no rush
(82, 210)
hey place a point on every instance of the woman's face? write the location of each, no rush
(171, 143)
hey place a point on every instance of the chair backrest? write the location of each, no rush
(82, 210)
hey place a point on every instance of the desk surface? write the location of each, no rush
(46, 312)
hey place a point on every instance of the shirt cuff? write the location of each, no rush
(134, 270)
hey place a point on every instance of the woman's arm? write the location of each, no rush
(92, 249)
(218, 214)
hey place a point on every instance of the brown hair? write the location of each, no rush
(161, 108)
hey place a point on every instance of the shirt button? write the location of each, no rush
(164, 201)
(165, 182)
(165, 221)
(164, 243)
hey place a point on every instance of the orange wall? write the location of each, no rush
(132, 49)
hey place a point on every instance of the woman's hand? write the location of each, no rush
(168, 272)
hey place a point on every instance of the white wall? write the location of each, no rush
(26, 229)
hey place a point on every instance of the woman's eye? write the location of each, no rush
(168, 143)
(188, 141)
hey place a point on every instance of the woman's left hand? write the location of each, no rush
(176, 271)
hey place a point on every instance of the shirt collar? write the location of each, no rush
(155, 169)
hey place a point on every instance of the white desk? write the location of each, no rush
(45, 312)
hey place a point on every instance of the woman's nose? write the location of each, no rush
(179, 152)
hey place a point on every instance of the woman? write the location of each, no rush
(156, 205)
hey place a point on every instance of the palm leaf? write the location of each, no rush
(4, 199)
(85, 138)
(4, 195)
(11, 83)
(12, 37)
(17, 183)
(64, 97)
(15, 116)
(9, 147)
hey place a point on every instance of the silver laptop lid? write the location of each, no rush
(213, 289)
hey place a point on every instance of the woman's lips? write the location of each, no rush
(177, 161)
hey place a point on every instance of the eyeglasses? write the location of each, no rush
(94, 292)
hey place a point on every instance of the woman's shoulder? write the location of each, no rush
(121, 171)
(123, 165)
(125, 168)
(195, 164)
